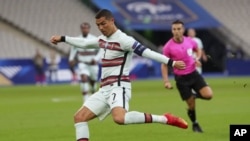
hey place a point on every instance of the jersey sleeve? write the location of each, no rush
(130, 44)
(139, 49)
(82, 43)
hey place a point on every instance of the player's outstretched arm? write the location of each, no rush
(163, 59)
(75, 41)
(140, 50)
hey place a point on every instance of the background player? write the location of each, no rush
(181, 48)
(87, 60)
(53, 60)
(192, 33)
(115, 91)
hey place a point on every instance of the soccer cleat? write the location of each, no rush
(176, 121)
(197, 128)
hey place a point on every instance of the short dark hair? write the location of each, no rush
(178, 22)
(104, 13)
(85, 24)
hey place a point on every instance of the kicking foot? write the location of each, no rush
(197, 128)
(176, 121)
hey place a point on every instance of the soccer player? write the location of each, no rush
(38, 61)
(53, 61)
(192, 33)
(115, 91)
(87, 63)
(181, 47)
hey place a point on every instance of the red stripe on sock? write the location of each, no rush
(148, 118)
(83, 139)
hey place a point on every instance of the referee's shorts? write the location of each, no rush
(185, 84)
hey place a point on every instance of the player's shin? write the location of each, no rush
(192, 115)
(82, 131)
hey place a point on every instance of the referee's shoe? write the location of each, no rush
(197, 128)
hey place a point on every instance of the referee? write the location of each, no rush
(181, 48)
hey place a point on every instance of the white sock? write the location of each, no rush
(159, 119)
(134, 117)
(82, 130)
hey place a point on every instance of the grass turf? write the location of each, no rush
(29, 113)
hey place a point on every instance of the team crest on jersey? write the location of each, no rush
(190, 52)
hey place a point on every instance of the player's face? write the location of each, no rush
(85, 30)
(177, 31)
(105, 25)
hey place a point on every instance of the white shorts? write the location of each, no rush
(103, 101)
(89, 70)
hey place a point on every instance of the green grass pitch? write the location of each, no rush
(30, 113)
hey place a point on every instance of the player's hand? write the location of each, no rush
(55, 39)
(179, 65)
(168, 85)
(72, 63)
(93, 62)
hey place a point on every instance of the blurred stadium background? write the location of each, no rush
(27, 25)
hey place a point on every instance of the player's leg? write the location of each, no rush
(203, 91)
(93, 77)
(186, 94)
(95, 106)
(192, 114)
(49, 75)
(84, 82)
(37, 75)
(119, 103)
(199, 70)
(54, 75)
(206, 92)
(73, 72)
(81, 119)
(84, 86)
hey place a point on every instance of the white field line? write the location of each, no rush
(63, 99)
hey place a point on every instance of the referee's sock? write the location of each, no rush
(192, 115)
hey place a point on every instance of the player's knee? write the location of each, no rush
(78, 118)
(209, 94)
(84, 78)
(119, 120)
